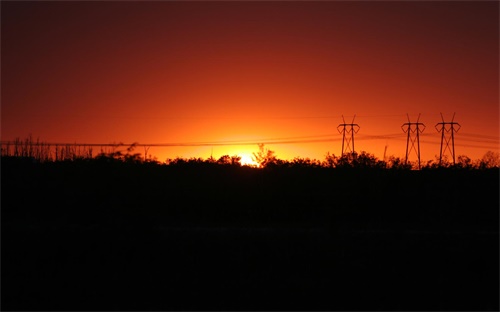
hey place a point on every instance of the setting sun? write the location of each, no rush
(247, 160)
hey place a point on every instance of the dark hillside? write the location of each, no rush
(110, 235)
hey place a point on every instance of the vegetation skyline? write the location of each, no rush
(116, 232)
(265, 157)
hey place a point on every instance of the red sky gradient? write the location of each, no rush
(256, 71)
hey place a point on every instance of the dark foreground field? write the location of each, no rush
(116, 236)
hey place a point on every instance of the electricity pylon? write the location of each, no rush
(349, 129)
(449, 128)
(413, 129)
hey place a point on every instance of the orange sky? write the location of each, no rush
(183, 72)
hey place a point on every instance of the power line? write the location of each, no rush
(190, 144)
(280, 140)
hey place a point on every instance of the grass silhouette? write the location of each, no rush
(118, 233)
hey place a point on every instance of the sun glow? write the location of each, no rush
(247, 160)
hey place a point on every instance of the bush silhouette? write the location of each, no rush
(116, 232)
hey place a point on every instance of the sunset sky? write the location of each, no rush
(229, 73)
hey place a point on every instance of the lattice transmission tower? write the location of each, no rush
(448, 128)
(413, 129)
(348, 131)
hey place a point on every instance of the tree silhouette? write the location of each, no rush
(264, 157)
(229, 160)
(490, 160)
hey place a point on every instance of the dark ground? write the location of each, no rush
(114, 236)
